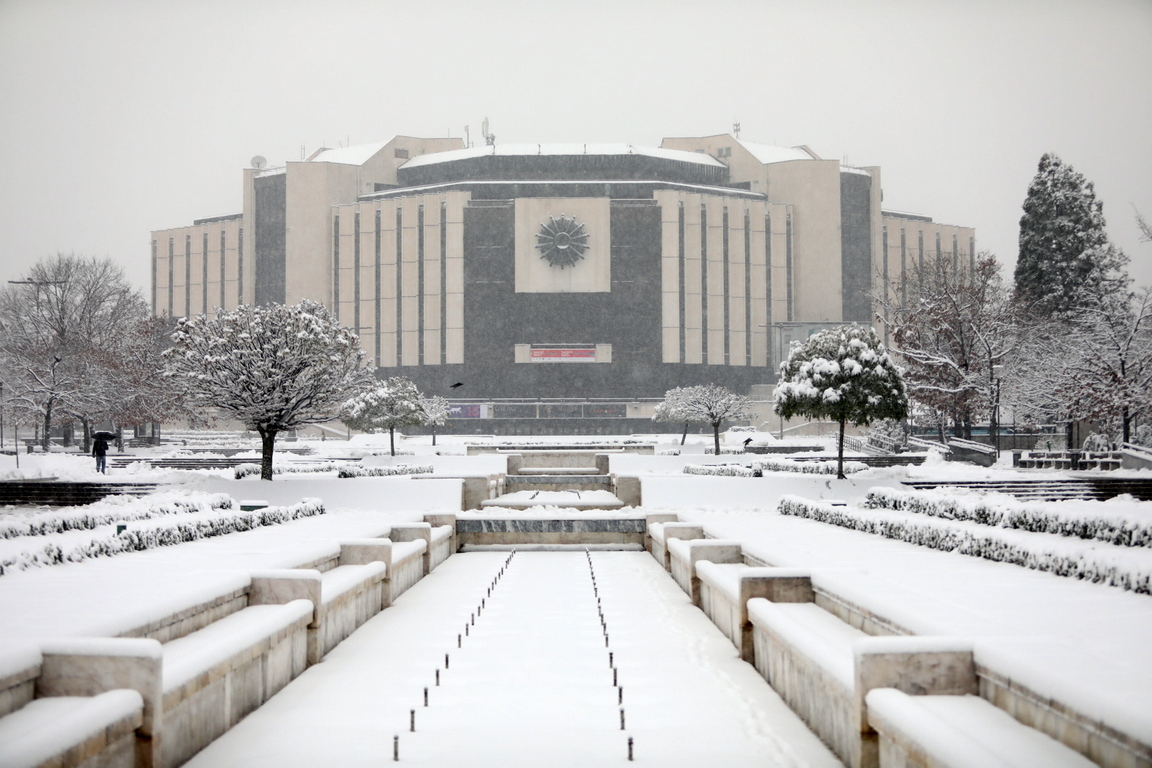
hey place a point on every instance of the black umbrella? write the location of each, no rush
(104, 435)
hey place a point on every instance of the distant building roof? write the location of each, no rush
(357, 155)
(766, 153)
(561, 150)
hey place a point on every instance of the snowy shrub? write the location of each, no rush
(98, 514)
(720, 470)
(399, 469)
(807, 467)
(247, 470)
(1091, 562)
(1113, 528)
(164, 534)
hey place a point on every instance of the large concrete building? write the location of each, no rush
(537, 273)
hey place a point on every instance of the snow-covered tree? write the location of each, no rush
(435, 411)
(843, 374)
(271, 367)
(1064, 255)
(669, 410)
(708, 404)
(394, 402)
(59, 324)
(952, 329)
(1097, 366)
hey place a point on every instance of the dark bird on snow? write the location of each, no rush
(457, 385)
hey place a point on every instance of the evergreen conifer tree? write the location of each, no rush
(1064, 255)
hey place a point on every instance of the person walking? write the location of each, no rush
(100, 451)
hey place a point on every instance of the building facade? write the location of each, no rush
(537, 273)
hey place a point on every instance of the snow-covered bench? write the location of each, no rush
(823, 668)
(725, 590)
(214, 677)
(683, 554)
(959, 732)
(437, 541)
(659, 534)
(67, 731)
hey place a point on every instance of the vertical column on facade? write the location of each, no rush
(410, 283)
(715, 268)
(171, 277)
(454, 277)
(155, 277)
(366, 279)
(431, 287)
(737, 303)
(377, 282)
(972, 255)
(186, 310)
(346, 279)
(336, 265)
(388, 356)
(884, 292)
(903, 267)
(223, 266)
(693, 282)
(204, 259)
(670, 217)
(355, 314)
(759, 282)
(240, 267)
(789, 271)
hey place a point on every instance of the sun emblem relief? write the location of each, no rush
(562, 241)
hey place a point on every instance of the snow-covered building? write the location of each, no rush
(537, 271)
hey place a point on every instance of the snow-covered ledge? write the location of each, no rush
(684, 553)
(725, 590)
(662, 533)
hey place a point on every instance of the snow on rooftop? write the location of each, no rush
(562, 150)
(766, 153)
(357, 155)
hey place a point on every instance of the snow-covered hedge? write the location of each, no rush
(399, 469)
(248, 470)
(720, 470)
(1114, 528)
(165, 533)
(1099, 563)
(114, 509)
(807, 467)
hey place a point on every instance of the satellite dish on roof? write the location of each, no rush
(259, 163)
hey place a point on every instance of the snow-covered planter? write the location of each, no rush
(164, 533)
(114, 509)
(399, 469)
(1099, 525)
(248, 470)
(1095, 562)
(807, 467)
(720, 470)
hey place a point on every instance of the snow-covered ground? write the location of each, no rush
(532, 684)
(1083, 643)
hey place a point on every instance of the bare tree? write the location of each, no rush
(954, 330)
(66, 314)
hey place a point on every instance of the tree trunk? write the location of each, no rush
(433, 435)
(47, 424)
(392, 439)
(840, 452)
(87, 430)
(1126, 420)
(267, 445)
(716, 436)
(684, 436)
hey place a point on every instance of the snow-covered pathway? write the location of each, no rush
(532, 683)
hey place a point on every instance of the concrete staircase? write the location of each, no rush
(1098, 488)
(545, 473)
(55, 493)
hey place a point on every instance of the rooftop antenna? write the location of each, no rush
(736, 129)
(489, 138)
(259, 163)
(467, 136)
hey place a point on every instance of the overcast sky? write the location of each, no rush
(117, 118)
